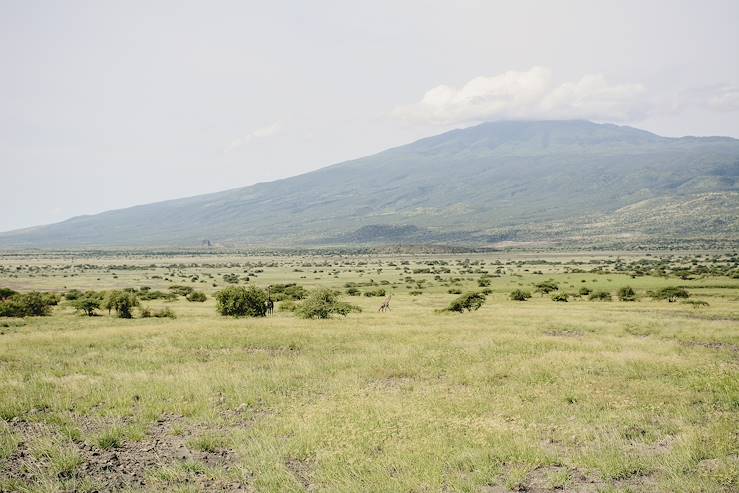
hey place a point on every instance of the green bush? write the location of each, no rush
(289, 291)
(240, 301)
(181, 290)
(546, 287)
(670, 294)
(519, 295)
(157, 295)
(6, 293)
(600, 296)
(120, 301)
(375, 292)
(323, 303)
(86, 305)
(561, 297)
(32, 304)
(352, 291)
(196, 296)
(287, 306)
(584, 291)
(626, 293)
(468, 301)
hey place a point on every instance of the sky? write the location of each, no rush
(109, 104)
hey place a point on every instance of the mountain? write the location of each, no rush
(496, 181)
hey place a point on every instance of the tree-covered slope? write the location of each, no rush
(464, 185)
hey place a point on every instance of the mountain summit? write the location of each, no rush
(500, 180)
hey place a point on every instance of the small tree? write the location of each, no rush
(241, 301)
(120, 301)
(520, 295)
(626, 293)
(33, 304)
(671, 294)
(561, 297)
(584, 291)
(323, 303)
(6, 293)
(87, 305)
(197, 296)
(469, 301)
(546, 287)
(600, 296)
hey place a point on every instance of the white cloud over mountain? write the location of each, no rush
(530, 94)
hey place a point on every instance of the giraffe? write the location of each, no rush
(270, 304)
(385, 307)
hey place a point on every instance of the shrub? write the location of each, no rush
(483, 282)
(6, 293)
(353, 292)
(290, 291)
(196, 296)
(519, 295)
(626, 293)
(323, 303)
(584, 291)
(32, 304)
(469, 301)
(287, 306)
(73, 294)
(454, 291)
(157, 295)
(546, 287)
(561, 297)
(375, 292)
(87, 305)
(181, 290)
(120, 301)
(600, 296)
(670, 294)
(240, 301)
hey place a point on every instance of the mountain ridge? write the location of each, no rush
(496, 179)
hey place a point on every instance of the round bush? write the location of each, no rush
(240, 301)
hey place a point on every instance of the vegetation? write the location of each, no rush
(470, 301)
(561, 297)
(533, 396)
(670, 293)
(626, 293)
(519, 295)
(121, 301)
(240, 301)
(323, 303)
(87, 305)
(32, 304)
(600, 295)
(196, 296)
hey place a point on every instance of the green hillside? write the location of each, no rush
(495, 181)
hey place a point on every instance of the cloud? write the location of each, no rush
(722, 98)
(260, 133)
(530, 94)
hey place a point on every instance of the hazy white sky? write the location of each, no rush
(107, 104)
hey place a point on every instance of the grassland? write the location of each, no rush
(535, 395)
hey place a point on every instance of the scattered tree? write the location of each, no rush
(241, 301)
(469, 301)
(671, 294)
(121, 301)
(323, 303)
(196, 296)
(520, 295)
(626, 293)
(600, 296)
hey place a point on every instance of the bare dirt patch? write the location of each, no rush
(131, 464)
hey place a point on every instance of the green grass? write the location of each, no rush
(629, 395)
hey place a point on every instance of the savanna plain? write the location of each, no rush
(582, 386)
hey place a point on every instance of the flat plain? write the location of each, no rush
(533, 395)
